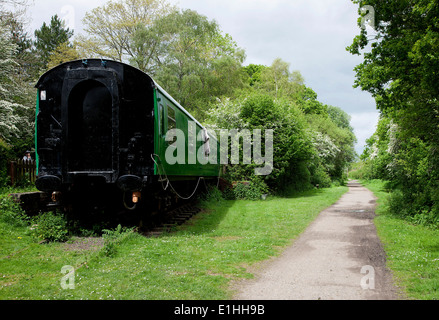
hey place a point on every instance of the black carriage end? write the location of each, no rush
(94, 120)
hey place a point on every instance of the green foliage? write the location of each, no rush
(291, 143)
(313, 143)
(402, 71)
(200, 63)
(50, 226)
(411, 248)
(126, 29)
(212, 195)
(5, 154)
(254, 72)
(309, 104)
(408, 163)
(279, 82)
(11, 212)
(113, 238)
(50, 37)
(320, 177)
(255, 189)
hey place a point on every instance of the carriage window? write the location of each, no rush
(172, 124)
(162, 119)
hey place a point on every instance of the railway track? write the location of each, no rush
(173, 219)
(36, 202)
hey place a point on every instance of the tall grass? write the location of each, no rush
(412, 249)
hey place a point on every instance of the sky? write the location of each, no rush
(311, 35)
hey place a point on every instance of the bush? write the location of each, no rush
(213, 194)
(51, 226)
(252, 190)
(321, 177)
(11, 212)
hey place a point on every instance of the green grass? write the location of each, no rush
(412, 250)
(197, 262)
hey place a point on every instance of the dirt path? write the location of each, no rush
(326, 262)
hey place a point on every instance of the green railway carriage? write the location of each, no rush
(105, 123)
(197, 146)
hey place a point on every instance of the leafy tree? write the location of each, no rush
(337, 157)
(149, 47)
(11, 110)
(401, 70)
(309, 104)
(322, 144)
(111, 29)
(200, 62)
(254, 72)
(279, 81)
(17, 97)
(340, 118)
(50, 37)
(63, 53)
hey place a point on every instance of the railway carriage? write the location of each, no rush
(101, 128)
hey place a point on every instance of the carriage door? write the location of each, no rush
(89, 127)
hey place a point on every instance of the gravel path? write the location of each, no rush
(338, 257)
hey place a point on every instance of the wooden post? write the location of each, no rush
(12, 172)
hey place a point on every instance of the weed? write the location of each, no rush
(11, 212)
(51, 226)
(112, 238)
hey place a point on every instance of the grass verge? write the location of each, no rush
(412, 250)
(197, 262)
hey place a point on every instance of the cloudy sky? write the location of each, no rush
(309, 34)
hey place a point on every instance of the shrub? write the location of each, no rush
(252, 190)
(320, 177)
(51, 226)
(11, 212)
(213, 194)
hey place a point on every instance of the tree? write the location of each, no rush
(111, 28)
(12, 122)
(50, 37)
(63, 53)
(279, 81)
(401, 71)
(307, 101)
(28, 68)
(200, 63)
(254, 72)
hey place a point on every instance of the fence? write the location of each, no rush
(23, 170)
